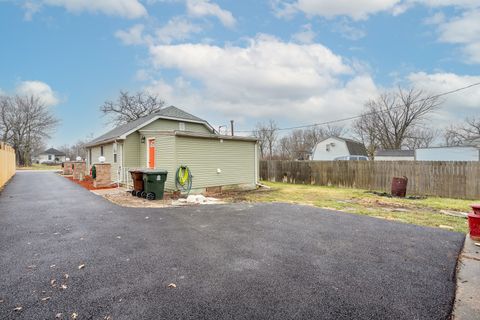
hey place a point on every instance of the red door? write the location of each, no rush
(151, 153)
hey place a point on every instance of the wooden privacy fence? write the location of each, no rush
(453, 179)
(7, 163)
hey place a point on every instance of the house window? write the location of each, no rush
(101, 151)
(90, 156)
(49, 157)
(115, 152)
(181, 126)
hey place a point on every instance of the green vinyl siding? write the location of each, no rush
(131, 151)
(171, 125)
(108, 154)
(164, 155)
(235, 159)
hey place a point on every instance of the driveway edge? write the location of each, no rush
(466, 306)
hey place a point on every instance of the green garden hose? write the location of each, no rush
(183, 179)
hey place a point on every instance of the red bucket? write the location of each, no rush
(474, 222)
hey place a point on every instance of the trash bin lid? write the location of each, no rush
(154, 171)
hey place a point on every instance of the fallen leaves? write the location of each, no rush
(172, 285)
(59, 315)
(18, 309)
(74, 315)
(80, 267)
(53, 283)
(46, 298)
(63, 286)
(477, 244)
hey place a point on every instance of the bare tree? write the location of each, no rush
(391, 119)
(128, 107)
(421, 138)
(267, 134)
(463, 133)
(25, 122)
(78, 149)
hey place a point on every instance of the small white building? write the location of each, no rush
(395, 155)
(50, 156)
(455, 153)
(335, 148)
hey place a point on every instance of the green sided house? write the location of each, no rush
(171, 138)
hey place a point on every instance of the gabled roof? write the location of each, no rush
(355, 148)
(53, 151)
(172, 113)
(395, 153)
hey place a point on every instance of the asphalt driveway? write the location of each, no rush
(238, 261)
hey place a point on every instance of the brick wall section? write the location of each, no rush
(103, 178)
(79, 169)
(67, 168)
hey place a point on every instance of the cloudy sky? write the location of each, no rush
(295, 61)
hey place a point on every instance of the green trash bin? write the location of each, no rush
(154, 183)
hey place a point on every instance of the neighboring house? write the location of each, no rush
(334, 148)
(395, 155)
(50, 156)
(455, 153)
(171, 138)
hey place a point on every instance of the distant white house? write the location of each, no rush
(455, 153)
(337, 148)
(50, 156)
(395, 155)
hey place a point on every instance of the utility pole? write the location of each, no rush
(231, 126)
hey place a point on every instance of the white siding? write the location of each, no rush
(448, 154)
(329, 149)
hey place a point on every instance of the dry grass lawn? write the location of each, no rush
(432, 211)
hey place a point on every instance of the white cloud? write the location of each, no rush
(463, 30)
(203, 8)
(177, 28)
(357, 10)
(455, 106)
(266, 78)
(132, 36)
(306, 35)
(437, 83)
(124, 8)
(31, 7)
(39, 89)
(348, 31)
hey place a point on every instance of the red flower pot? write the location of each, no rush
(474, 222)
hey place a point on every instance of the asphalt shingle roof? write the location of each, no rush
(54, 152)
(355, 148)
(170, 112)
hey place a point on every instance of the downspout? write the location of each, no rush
(256, 163)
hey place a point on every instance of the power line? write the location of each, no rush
(370, 113)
